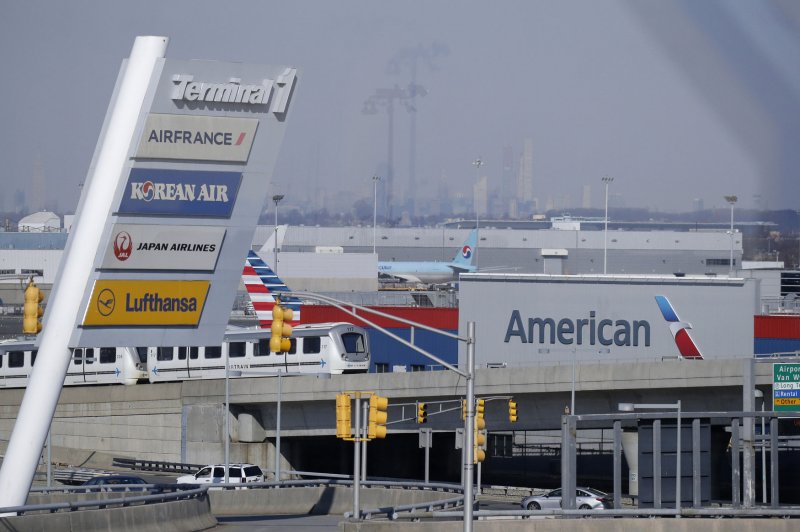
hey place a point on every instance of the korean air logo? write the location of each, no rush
(148, 191)
(466, 252)
(679, 329)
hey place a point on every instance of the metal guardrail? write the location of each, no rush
(178, 492)
(154, 465)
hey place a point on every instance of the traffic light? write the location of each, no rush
(480, 408)
(32, 310)
(280, 342)
(479, 439)
(422, 413)
(512, 411)
(463, 409)
(343, 429)
(376, 428)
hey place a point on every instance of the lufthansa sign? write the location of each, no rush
(158, 247)
(146, 303)
(202, 138)
(180, 193)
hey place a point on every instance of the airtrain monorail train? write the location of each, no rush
(334, 348)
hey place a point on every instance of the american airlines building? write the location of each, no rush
(526, 319)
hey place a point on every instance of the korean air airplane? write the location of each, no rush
(432, 271)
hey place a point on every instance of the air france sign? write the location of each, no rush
(202, 138)
(159, 247)
(146, 303)
(180, 193)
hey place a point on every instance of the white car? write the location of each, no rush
(215, 474)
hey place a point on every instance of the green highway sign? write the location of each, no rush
(786, 387)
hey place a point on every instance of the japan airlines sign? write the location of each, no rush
(200, 138)
(160, 247)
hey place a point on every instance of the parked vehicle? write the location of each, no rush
(117, 482)
(585, 499)
(215, 474)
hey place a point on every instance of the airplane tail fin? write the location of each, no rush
(263, 285)
(465, 255)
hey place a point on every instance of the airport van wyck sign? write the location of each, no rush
(786, 387)
(146, 303)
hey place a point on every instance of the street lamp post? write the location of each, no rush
(477, 163)
(468, 375)
(375, 180)
(731, 201)
(276, 198)
(630, 407)
(606, 181)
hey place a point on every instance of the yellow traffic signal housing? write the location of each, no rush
(463, 409)
(343, 429)
(512, 411)
(32, 309)
(376, 427)
(479, 440)
(422, 413)
(281, 342)
(480, 407)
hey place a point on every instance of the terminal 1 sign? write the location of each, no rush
(186, 205)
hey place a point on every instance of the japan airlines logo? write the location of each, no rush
(123, 245)
(679, 330)
(466, 252)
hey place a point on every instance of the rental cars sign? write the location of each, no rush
(186, 204)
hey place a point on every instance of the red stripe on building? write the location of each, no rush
(438, 318)
(776, 327)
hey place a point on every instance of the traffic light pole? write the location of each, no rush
(357, 459)
(469, 376)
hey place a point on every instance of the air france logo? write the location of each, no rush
(679, 330)
(466, 252)
(123, 245)
(204, 138)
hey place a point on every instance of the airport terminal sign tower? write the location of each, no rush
(166, 218)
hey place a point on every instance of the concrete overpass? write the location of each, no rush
(184, 421)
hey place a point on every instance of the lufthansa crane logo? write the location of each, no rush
(105, 302)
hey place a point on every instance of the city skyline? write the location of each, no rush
(677, 101)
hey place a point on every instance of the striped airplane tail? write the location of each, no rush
(263, 286)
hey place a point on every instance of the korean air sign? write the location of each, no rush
(180, 193)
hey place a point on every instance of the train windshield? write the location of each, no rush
(142, 352)
(354, 343)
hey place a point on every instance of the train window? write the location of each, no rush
(1, 359)
(236, 349)
(353, 343)
(88, 356)
(164, 354)
(181, 353)
(33, 357)
(77, 356)
(194, 352)
(213, 351)
(261, 348)
(293, 348)
(142, 352)
(108, 355)
(311, 344)
(16, 359)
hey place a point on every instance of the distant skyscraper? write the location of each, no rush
(37, 198)
(697, 204)
(508, 187)
(586, 199)
(525, 173)
(480, 194)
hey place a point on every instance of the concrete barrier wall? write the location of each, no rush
(335, 500)
(583, 525)
(175, 516)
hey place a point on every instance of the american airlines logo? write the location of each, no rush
(679, 329)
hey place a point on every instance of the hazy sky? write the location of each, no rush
(677, 99)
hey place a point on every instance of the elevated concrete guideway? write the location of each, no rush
(184, 421)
